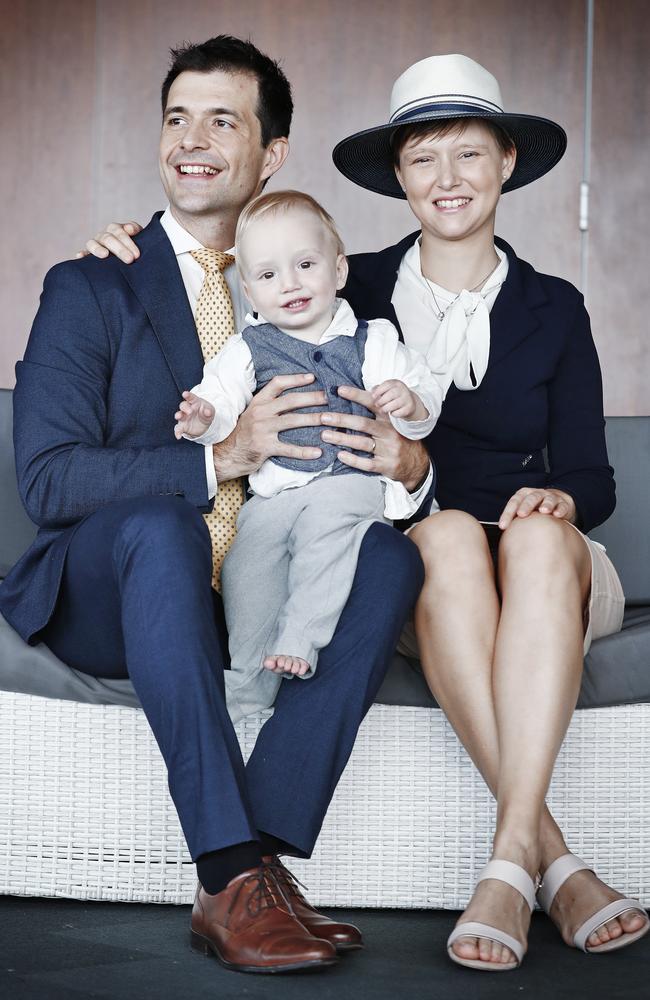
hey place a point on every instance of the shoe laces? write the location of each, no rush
(286, 879)
(264, 891)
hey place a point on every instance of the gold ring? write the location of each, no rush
(374, 444)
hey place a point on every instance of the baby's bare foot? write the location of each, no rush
(286, 665)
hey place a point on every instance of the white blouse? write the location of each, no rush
(456, 347)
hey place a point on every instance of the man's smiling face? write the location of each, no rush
(211, 156)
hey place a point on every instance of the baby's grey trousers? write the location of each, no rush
(288, 575)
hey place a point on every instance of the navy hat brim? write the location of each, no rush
(366, 158)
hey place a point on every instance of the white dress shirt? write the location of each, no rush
(229, 383)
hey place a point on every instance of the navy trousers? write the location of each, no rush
(136, 601)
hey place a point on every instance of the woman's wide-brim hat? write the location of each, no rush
(447, 87)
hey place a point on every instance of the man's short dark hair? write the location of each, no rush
(234, 55)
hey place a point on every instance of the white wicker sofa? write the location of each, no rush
(64, 832)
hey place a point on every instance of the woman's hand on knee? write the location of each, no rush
(547, 501)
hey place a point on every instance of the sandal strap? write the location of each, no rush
(556, 875)
(513, 875)
(606, 913)
(485, 931)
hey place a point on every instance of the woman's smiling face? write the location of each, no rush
(453, 180)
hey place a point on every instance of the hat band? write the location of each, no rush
(455, 104)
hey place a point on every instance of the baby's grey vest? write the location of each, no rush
(338, 362)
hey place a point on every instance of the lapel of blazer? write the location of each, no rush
(378, 273)
(156, 281)
(513, 316)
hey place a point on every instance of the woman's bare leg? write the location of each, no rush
(457, 620)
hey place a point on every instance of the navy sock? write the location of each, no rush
(216, 868)
(273, 845)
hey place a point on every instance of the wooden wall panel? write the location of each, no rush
(47, 71)
(342, 59)
(83, 81)
(619, 226)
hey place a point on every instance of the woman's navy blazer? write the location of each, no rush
(537, 417)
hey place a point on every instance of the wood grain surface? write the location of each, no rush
(83, 80)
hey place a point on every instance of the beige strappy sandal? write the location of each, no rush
(519, 879)
(555, 877)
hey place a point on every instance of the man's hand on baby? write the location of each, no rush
(255, 438)
(395, 398)
(294, 665)
(389, 453)
(193, 416)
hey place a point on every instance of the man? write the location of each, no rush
(118, 581)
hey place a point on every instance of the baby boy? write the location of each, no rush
(289, 571)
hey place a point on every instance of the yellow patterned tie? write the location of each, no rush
(215, 323)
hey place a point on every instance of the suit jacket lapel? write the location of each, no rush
(156, 281)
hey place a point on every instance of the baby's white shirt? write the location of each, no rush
(229, 383)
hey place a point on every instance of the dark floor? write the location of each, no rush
(62, 950)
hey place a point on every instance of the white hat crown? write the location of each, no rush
(437, 81)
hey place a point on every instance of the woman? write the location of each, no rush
(514, 592)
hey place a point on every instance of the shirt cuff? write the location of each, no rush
(210, 474)
(418, 496)
(414, 430)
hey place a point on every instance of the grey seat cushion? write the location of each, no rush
(626, 534)
(16, 530)
(617, 669)
(36, 670)
(617, 672)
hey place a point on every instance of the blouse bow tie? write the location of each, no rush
(462, 344)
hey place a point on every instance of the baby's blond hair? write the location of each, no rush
(276, 201)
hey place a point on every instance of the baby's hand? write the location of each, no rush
(395, 398)
(193, 416)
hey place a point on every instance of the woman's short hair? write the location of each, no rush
(284, 201)
(446, 126)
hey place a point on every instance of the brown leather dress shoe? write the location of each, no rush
(344, 937)
(249, 927)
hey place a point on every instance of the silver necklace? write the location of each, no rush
(440, 313)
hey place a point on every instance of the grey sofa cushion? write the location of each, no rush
(617, 669)
(36, 670)
(626, 535)
(16, 530)
(617, 672)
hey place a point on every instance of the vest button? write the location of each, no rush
(317, 355)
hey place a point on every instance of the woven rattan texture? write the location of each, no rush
(85, 812)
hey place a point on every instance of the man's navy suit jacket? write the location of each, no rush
(111, 349)
(541, 393)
